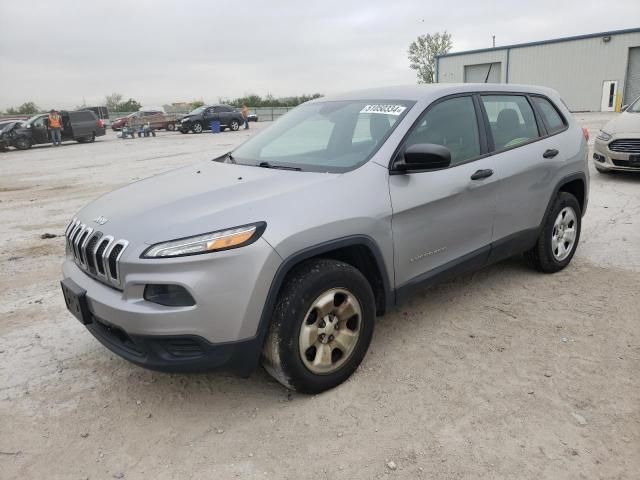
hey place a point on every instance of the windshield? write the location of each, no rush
(325, 136)
(635, 106)
(197, 110)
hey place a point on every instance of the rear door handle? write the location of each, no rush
(552, 152)
(480, 174)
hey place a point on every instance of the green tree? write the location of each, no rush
(130, 105)
(27, 108)
(197, 103)
(423, 52)
(113, 101)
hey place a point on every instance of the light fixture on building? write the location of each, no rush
(606, 39)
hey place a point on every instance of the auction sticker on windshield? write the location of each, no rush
(384, 109)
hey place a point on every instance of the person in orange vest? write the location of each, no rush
(55, 127)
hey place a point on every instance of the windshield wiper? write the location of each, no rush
(279, 167)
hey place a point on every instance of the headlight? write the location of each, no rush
(207, 242)
(604, 136)
(184, 120)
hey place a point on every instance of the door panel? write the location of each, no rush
(440, 216)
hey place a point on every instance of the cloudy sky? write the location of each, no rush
(59, 52)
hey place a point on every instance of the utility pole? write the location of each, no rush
(494, 41)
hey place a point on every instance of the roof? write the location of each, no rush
(429, 91)
(544, 42)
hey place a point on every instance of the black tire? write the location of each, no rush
(92, 138)
(197, 127)
(541, 256)
(281, 355)
(234, 125)
(171, 127)
(22, 143)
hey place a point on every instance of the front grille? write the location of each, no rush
(624, 163)
(95, 253)
(625, 145)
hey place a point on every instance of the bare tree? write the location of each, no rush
(112, 101)
(423, 51)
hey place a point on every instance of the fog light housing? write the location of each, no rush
(598, 158)
(168, 295)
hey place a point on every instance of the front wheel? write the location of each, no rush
(321, 327)
(197, 127)
(559, 237)
(234, 125)
(22, 143)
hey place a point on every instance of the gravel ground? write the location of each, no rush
(503, 373)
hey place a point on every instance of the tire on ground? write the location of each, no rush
(541, 256)
(281, 355)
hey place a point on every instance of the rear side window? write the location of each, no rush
(511, 118)
(550, 116)
(453, 124)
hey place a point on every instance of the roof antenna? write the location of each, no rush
(494, 41)
(488, 72)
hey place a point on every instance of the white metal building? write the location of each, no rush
(595, 72)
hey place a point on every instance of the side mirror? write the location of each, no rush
(624, 108)
(425, 156)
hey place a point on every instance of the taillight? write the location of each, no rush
(101, 123)
(585, 132)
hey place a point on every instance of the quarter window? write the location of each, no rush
(511, 118)
(453, 124)
(550, 115)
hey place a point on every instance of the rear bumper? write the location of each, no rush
(179, 353)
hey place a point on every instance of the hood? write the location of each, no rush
(196, 199)
(626, 122)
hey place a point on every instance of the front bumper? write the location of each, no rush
(606, 159)
(222, 328)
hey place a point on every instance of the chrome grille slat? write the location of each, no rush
(91, 251)
(626, 145)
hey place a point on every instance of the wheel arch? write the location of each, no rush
(575, 184)
(360, 251)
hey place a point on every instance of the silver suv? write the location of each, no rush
(287, 248)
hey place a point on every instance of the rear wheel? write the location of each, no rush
(197, 127)
(559, 237)
(321, 327)
(171, 127)
(92, 137)
(234, 125)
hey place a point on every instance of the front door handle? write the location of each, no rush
(552, 152)
(480, 174)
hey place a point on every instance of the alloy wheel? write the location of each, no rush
(330, 331)
(563, 236)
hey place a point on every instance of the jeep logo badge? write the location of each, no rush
(101, 220)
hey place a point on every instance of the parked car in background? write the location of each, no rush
(200, 119)
(13, 134)
(617, 146)
(81, 126)
(288, 247)
(253, 116)
(158, 120)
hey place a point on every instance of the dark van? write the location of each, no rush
(81, 126)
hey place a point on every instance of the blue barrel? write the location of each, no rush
(215, 126)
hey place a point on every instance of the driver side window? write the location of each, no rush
(452, 124)
(40, 122)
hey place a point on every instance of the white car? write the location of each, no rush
(617, 146)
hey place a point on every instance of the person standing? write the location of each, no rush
(55, 127)
(245, 115)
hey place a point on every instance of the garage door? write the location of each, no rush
(483, 73)
(632, 85)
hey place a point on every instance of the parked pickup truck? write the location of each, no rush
(200, 119)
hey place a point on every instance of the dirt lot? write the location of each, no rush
(504, 373)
